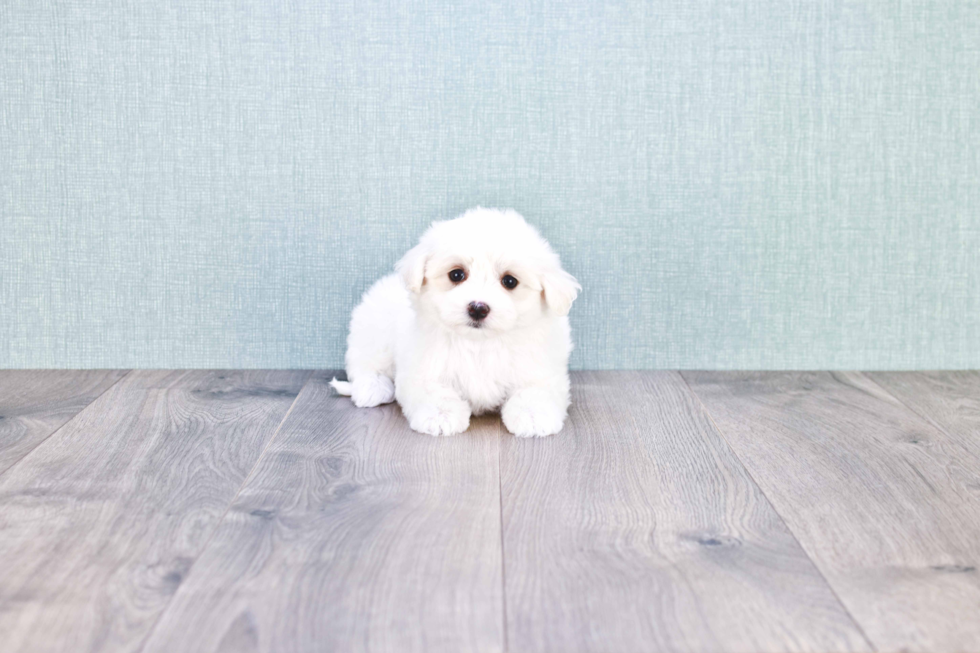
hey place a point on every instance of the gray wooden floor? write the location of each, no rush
(244, 511)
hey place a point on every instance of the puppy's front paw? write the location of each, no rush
(528, 419)
(447, 418)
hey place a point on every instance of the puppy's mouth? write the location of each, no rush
(476, 325)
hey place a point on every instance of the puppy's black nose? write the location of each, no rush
(478, 310)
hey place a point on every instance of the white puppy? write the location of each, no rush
(473, 320)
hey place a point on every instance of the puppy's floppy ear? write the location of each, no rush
(412, 267)
(559, 289)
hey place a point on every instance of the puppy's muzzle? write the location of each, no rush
(477, 311)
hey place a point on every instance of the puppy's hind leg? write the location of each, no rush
(369, 383)
(342, 387)
(368, 390)
(370, 346)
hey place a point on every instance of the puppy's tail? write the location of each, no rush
(342, 387)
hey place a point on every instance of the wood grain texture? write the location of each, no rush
(99, 525)
(887, 505)
(636, 529)
(948, 400)
(36, 403)
(354, 534)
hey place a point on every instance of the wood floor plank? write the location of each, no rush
(100, 523)
(949, 400)
(885, 503)
(36, 403)
(354, 534)
(636, 529)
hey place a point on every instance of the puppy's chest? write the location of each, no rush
(481, 376)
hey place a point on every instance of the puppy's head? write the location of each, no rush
(486, 272)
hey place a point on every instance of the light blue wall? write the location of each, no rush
(751, 184)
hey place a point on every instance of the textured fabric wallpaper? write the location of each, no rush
(737, 184)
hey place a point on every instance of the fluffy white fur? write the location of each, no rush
(411, 338)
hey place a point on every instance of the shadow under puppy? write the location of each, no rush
(473, 320)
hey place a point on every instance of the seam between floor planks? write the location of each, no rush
(224, 515)
(503, 553)
(769, 499)
(125, 373)
(909, 406)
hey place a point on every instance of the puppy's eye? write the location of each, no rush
(457, 275)
(508, 282)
